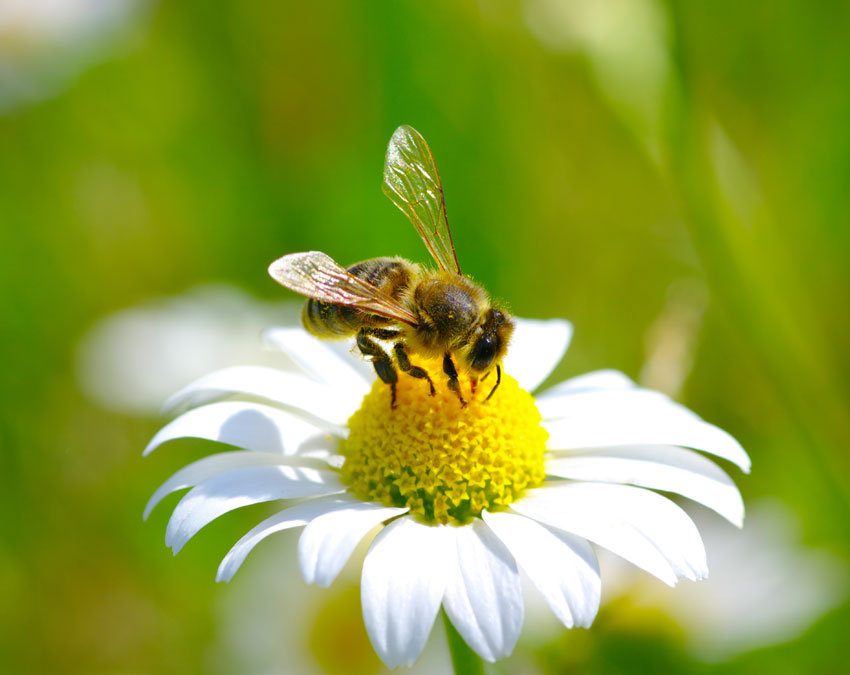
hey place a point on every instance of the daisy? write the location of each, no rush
(464, 498)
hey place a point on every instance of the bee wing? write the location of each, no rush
(412, 182)
(317, 276)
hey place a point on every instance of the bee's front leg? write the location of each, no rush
(381, 361)
(498, 382)
(454, 384)
(407, 367)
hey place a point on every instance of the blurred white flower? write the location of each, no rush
(766, 586)
(131, 360)
(45, 43)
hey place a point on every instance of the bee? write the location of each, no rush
(424, 312)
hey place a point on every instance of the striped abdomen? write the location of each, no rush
(391, 275)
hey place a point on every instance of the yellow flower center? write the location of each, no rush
(446, 462)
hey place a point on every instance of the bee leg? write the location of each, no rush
(413, 371)
(454, 384)
(498, 382)
(381, 333)
(381, 361)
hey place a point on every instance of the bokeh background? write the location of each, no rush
(671, 176)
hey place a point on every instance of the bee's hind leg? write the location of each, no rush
(381, 361)
(454, 384)
(380, 333)
(407, 367)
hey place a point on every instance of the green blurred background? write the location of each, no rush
(670, 176)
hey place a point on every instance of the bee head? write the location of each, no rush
(491, 342)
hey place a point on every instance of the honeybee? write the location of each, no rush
(430, 313)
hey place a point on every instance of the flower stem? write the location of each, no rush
(464, 660)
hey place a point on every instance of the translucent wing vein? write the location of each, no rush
(317, 276)
(412, 183)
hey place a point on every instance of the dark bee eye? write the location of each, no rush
(484, 352)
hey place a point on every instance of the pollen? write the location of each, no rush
(444, 461)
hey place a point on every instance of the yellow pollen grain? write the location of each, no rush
(445, 462)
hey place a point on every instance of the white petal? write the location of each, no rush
(661, 428)
(348, 351)
(207, 467)
(660, 467)
(295, 516)
(641, 526)
(241, 487)
(561, 566)
(327, 542)
(606, 404)
(483, 594)
(535, 350)
(596, 380)
(291, 390)
(404, 576)
(316, 357)
(252, 426)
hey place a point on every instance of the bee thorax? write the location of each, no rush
(450, 310)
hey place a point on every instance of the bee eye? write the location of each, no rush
(484, 352)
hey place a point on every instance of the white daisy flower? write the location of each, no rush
(467, 496)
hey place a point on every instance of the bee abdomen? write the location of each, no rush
(391, 275)
(327, 320)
